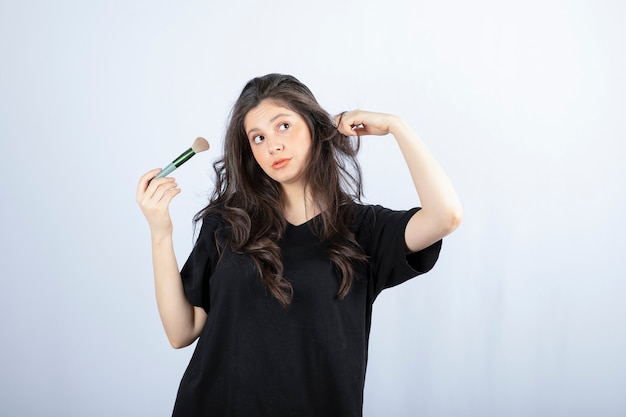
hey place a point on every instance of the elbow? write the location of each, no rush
(181, 334)
(452, 219)
(456, 216)
(179, 343)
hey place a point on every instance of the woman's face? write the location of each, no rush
(280, 141)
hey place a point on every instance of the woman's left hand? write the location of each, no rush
(360, 122)
(441, 210)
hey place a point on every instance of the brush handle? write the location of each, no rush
(184, 157)
(166, 171)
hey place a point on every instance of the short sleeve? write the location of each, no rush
(197, 269)
(390, 264)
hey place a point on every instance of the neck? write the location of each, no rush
(298, 205)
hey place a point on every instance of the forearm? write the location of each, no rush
(177, 314)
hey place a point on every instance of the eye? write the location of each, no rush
(258, 139)
(283, 126)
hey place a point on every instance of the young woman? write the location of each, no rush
(279, 287)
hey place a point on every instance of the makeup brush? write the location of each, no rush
(199, 145)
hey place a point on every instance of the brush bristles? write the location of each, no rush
(200, 145)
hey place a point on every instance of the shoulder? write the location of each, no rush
(372, 220)
(370, 214)
(213, 226)
(210, 220)
(363, 219)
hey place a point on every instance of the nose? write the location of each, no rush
(274, 145)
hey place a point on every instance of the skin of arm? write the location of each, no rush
(182, 321)
(441, 211)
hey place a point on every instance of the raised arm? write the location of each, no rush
(441, 211)
(182, 321)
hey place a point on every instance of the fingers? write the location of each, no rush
(344, 122)
(162, 190)
(154, 196)
(145, 180)
(158, 190)
(152, 192)
(359, 122)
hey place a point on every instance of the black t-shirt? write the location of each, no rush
(254, 358)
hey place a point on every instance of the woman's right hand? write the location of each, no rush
(182, 321)
(154, 198)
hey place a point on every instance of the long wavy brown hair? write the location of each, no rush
(250, 202)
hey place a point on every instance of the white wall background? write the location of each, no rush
(524, 103)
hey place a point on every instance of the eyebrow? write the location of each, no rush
(272, 120)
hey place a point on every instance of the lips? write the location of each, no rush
(280, 163)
